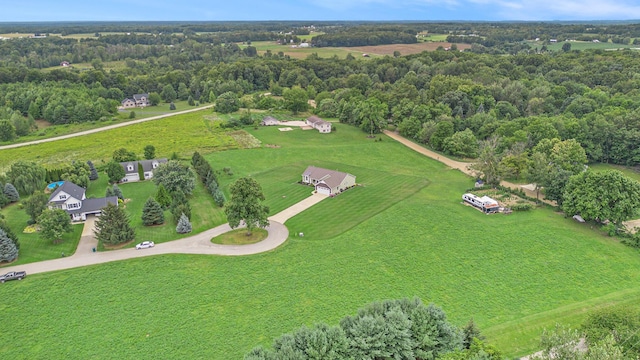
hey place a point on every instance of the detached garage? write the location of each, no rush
(328, 182)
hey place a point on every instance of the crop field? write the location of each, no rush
(402, 233)
(182, 134)
(358, 51)
(581, 45)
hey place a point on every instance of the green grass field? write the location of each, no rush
(32, 246)
(581, 45)
(182, 134)
(403, 233)
(301, 53)
(123, 116)
(634, 174)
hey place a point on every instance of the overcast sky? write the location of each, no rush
(115, 10)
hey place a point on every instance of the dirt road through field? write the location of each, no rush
(459, 165)
(110, 127)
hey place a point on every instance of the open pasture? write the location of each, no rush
(182, 134)
(403, 233)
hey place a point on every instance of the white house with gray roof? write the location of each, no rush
(328, 182)
(137, 100)
(72, 199)
(131, 169)
(319, 124)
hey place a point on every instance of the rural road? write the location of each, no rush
(462, 166)
(196, 244)
(110, 127)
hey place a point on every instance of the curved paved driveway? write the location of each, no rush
(196, 244)
(105, 128)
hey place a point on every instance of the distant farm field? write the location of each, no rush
(341, 52)
(402, 233)
(581, 45)
(182, 134)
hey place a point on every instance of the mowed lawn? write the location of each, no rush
(181, 133)
(513, 274)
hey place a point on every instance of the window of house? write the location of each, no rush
(62, 196)
(155, 165)
(130, 167)
(73, 206)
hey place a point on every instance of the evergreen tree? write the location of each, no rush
(5, 227)
(163, 197)
(152, 213)
(93, 173)
(117, 192)
(172, 106)
(113, 227)
(140, 172)
(109, 192)
(184, 226)
(8, 250)
(11, 193)
(470, 332)
(219, 198)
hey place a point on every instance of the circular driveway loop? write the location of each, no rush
(196, 244)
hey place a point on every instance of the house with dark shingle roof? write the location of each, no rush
(328, 182)
(72, 199)
(131, 172)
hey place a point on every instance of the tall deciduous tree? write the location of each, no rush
(488, 163)
(113, 227)
(115, 172)
(53, 224)
(8, 250)
(7, 130)
(227, 102)
(122, 155)
(371, 115)
(36, 204)
(296, 99)
(175, 176)
(168, 93)
(246, 205)
(149, 152)
(152, 213)
(606, 195)
(27, 177)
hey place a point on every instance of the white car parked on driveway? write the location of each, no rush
(145, 245)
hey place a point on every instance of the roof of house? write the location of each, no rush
(316, 120)
(140, 96)
(127, 99)
(269, 118)
(332, 178)
(147, 165)
(71, 189)
(94, 205)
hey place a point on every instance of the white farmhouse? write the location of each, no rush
(319, 124)
(72, 199)
(131, 172)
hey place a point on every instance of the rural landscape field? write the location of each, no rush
(330, 189)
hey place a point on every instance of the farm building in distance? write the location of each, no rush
(269, 121)
(485, 203)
